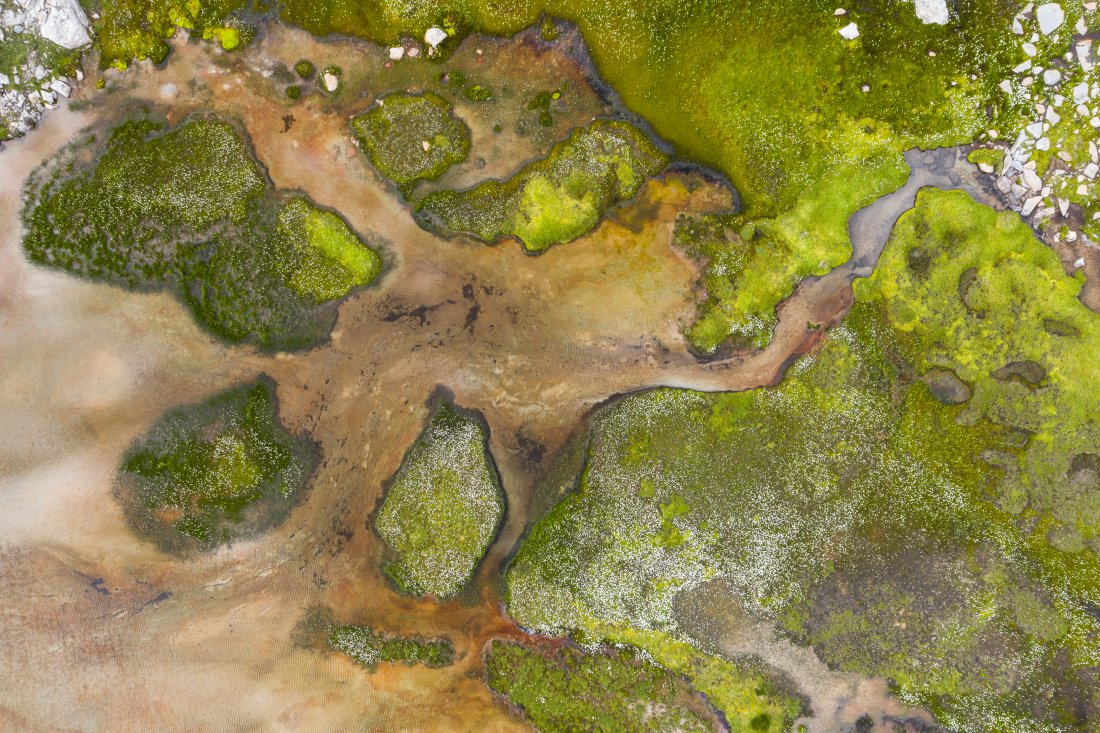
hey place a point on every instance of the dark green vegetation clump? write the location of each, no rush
(555, 199)
(866, 504)
(304, 68)
(190, 210)
(369, 648)
(215, 472)
(412, 137)
(567, 689)
(444, 507)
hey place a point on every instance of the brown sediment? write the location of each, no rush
(104, 632)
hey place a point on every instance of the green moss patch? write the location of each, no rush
(370, 648)
(943, 544)
(410, 138)
(190, 210)
(567, 689)
(133, 30)
(444, 506)
(215, 472)
(555, 199)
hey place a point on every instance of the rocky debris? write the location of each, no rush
(1050, 17)
(29, 88)
(849, 32)
(397, 53)
(932, 11)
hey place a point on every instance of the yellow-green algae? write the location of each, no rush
(215, 472)
(188, 209)
(412, 137)
(555, 199)
(569, 689)
(444, 506)
(861, 513)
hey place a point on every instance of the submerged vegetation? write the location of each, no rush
(215, 472)
(900, 528)
(369, 648)
(190, 210)
(412, 137)
(555, 199)
(444, 506)
(567, 689)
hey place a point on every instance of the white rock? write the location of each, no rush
(1029, 49)
(1031, 180)
(1095, 122)
(413, 51)
(1053, 117)
(1058, 99)
(985, 167)
(1052, 77)
(1063, 206)
(1035, 129)
(865, 88)
(1081, 92)
(331, 81)
(48, 97)
(1081, 28)
(425, 145)
(1042, 143)
(1063, 155)
(1079, 263)
(849, 32)
(1083, 190)
(4, 80)
(1025, 66)
(1091, 170)
(1071, 236)
(1050, 16)
(932, 11)
(435, 36)
(60, 21)
(1006, 86)
(61, 87)
(1030, 204)
(1083, 48)
(1016, 27)
(397, 53)
(839, 12)
(1083, 110)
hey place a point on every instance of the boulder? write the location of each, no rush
(932, 11)
(1050, 17)
(434, 36)
(60, 21)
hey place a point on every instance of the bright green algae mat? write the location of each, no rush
(189, 210)
(900, 529)
(569, 689)
(215, 472)
(444, 506)
(555, 199)
(412, 137)
(370, 648)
